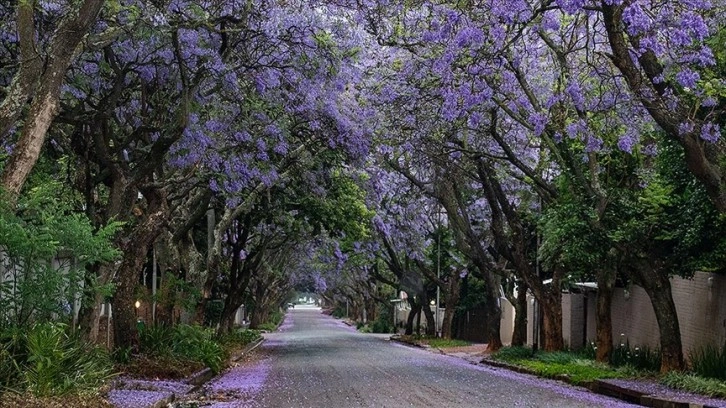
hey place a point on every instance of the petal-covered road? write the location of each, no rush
(316, 361)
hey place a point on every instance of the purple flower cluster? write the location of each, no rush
(242, 379)
(132, 393)
(136, 398)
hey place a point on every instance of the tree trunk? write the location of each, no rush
(519, 336)
(90, 319)
(603, 323)
(44, 106)
(494, 312)
(226, 323)
(658, 287)
(412, 314)
(452, 300)
(426, 309)
(135, 248)
(90, 314)
(124, 312)
(552, 324)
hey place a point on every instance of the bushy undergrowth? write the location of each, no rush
(273, 321)
(47, 360)
(709, 361)
(338, 312)
(184, 342)
(624, 355)
(239, 337)
(641, 358)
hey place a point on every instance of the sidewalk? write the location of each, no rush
(648, 393)
(139, 393)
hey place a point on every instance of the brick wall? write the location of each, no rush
(701, 308)
(700, 303)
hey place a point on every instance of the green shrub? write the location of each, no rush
(709, 361)
(213, 312)
(641, 358)
(338, 312)
(184, 342)
(12, 351)
(156, 340)
(381, 326)
(240, 337)
(58, 363)
(276, 317)
(364, 328)
(197, 343)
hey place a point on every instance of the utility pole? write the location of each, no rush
(438, 275)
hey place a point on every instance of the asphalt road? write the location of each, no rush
(317, 361)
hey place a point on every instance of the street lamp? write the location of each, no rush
(137, 305)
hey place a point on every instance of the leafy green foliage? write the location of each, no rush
(273, 321)
(671, 218)
(197, 343)
(49, 361)
(639, 357)
(240, 337)
(568, 238)
(342, 210)
(709, 361)
(44, 227)
(193, 343)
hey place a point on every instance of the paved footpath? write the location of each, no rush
(317, 361)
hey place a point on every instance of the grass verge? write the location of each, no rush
(435, 342)
(573, 366)
(692, 383)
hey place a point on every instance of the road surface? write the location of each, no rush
(317, 361)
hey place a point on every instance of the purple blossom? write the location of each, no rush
(594, 144)
(636, 19)
(135, 398)
(571, 6)
(627, 141)
(687, 78)
(685, 128)
(474, 120)
(709, 102)
(573, 89)
(469, 36)
(539, 121)
(711, 132)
